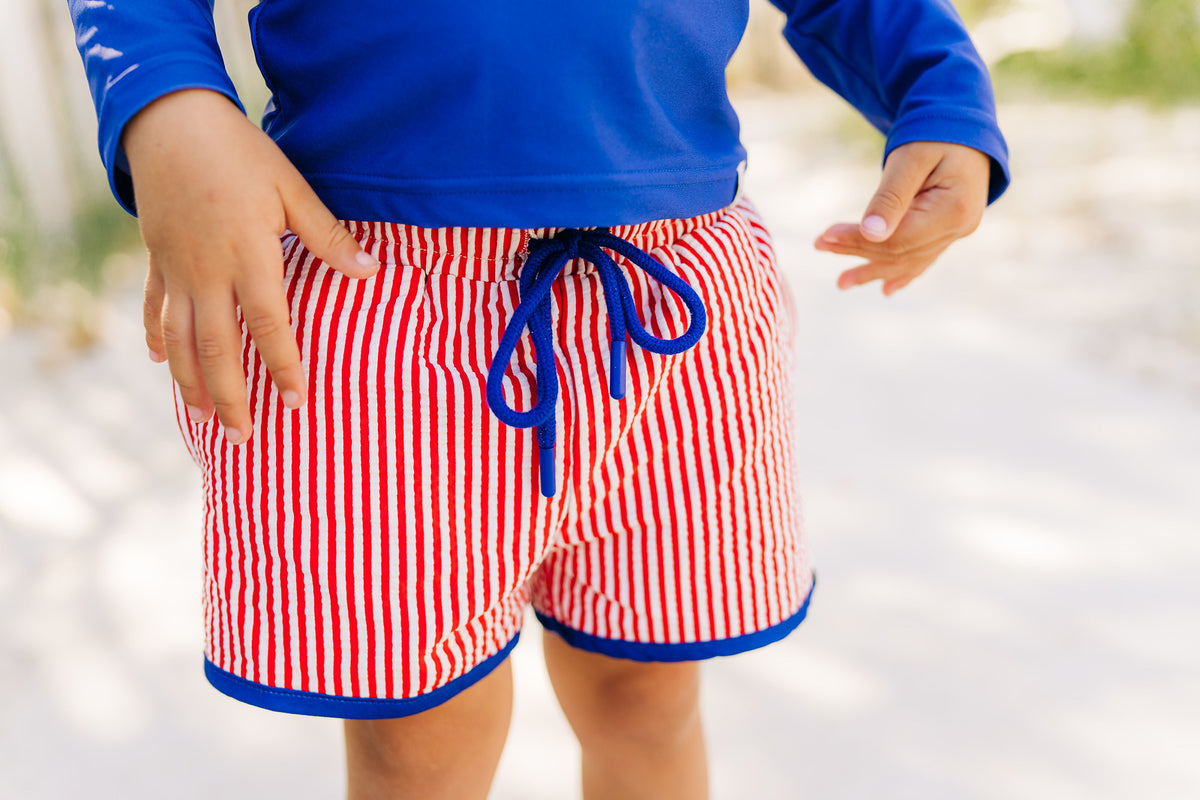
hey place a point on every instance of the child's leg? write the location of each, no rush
(637, 723)
(449, 751)
(683, 540)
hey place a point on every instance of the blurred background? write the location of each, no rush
(1000, 464)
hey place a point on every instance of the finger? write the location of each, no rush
(179, 343)
(321, 233)
(265, 310)
(919, 235)
(153, 295)
(914, 271)
(894, 276)
(865, 273)
(904, 174)
(219, 353)
(893, 286)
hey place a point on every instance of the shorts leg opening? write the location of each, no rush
(314, 704)
(678, 651)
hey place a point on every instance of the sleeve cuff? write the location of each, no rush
(136, 88)
(957, 126)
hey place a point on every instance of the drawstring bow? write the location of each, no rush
(547, 257)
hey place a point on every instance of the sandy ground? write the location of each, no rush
(1001, 474)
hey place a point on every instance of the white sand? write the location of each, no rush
(1001, 471)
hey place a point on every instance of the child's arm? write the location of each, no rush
(909, 67)
(214, 195)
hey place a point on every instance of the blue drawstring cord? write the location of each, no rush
(547, 257)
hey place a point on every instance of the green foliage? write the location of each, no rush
(16, 228)
(76, 253)
(1158, 59)
(972, 10)
(28, 258)
(100, 229)
(58, 280)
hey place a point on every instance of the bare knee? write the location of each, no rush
(615, 702)
(646, 705)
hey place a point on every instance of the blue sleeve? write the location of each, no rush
(135, 51)
(908, 66)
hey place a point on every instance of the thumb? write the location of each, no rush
(322, 234)
(904, 175)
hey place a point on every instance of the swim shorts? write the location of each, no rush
(373, 553)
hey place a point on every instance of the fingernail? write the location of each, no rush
(874, 225)
(195, 414)
(365, 259)
(157, 357)
(234, 436)
(291, 398)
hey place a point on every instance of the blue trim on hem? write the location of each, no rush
(296, 701)
(678, 651)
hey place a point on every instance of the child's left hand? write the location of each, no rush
(931, 194)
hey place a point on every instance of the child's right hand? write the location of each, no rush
(214, 196)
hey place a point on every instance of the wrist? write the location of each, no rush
(165, 118)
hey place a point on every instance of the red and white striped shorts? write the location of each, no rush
(373, 553)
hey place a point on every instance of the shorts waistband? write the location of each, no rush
(495, 254)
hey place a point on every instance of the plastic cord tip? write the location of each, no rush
(546, 470)
(617, 370)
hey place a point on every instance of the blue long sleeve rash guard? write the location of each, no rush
(531, 113)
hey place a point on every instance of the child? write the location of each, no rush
(342, 300)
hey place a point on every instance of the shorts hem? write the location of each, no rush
(678, 651)
(315, 704)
